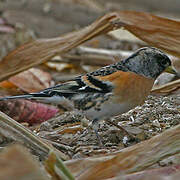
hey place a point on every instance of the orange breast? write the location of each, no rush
(130, 86)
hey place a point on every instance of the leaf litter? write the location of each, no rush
(68, 133)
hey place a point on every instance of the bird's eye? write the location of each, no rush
(164, 62)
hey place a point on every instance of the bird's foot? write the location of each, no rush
(98, 138)
(122, 129)
(95, 127)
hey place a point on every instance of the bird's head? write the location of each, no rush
(149, 62)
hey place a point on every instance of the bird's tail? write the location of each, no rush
(26, 96)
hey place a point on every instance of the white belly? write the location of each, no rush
(108, 110)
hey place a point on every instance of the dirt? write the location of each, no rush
(47, 19)
(155, 116)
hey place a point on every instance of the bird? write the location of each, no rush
(111, 90)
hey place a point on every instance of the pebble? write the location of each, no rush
(156, 123)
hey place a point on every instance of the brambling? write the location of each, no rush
(110, 90)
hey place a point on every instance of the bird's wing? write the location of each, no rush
(82, 84)
(99, 81)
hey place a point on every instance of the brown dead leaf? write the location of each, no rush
(41, 50)
(167, 89)
(17, 163)
(71, 130)
(160, 32)
(129, 160)
(32, 80)
(7, 85)
(9, 128)
(157, 31)
(158, 173)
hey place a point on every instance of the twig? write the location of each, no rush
(93, 56)
(129, 160)
(11, 128)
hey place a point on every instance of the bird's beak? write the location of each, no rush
(170, 70)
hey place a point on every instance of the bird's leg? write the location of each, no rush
(121, 128)
(95, 127)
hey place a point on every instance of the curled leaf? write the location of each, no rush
(27, 111)
(157, 31)
(166, 89)
(41, 50)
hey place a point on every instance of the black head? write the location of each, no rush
(149, 62)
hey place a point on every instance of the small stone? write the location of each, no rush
(125, 140)
(156, 123)
(141, 136)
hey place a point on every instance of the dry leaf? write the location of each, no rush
(159, 32)
(32, 80)
(163, 172)
(7, 85)
(70, 129)
(9, 128)
(17, 163)
(167, 89)
(129, 160)
(41, 50)
(27, 111)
